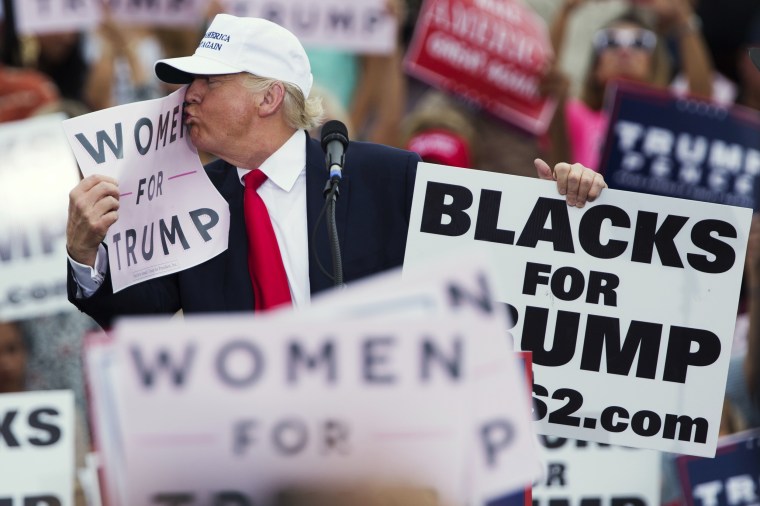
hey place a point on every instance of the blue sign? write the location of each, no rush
(732, 478)
(681, 147)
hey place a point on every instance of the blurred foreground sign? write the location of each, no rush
(233, 407)
(37, 448)
(491, 52)
(37, 173)
(597, 297)
(666, 145)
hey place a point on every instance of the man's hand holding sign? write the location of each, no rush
(93, 208)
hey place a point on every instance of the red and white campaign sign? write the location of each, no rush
(492, 52)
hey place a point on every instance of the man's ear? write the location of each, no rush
(272, 100)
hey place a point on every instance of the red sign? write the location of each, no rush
(492, 52)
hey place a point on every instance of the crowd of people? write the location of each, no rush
(694, 47)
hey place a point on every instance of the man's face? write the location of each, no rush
(12, 359)
(220, 113)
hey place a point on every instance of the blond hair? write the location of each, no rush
(300, 113)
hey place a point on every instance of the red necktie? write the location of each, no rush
(270, 283)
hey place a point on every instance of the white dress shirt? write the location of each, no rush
(284, 194)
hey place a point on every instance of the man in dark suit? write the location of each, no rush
(248, 103)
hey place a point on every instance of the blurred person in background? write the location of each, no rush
(121, 60)
(16, 376)
(748, 76)
(627, 48)
(440, 131)
(14, 354)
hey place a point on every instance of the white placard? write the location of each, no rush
(275, 404)
(36, 175)
(187, 13)
(659, 275)
(35, 17)
(579, 471)
(37, 448)
(170, 215)
(360, 26)
(439, 288)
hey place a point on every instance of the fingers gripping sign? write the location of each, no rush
(93, 208)
(580, 184)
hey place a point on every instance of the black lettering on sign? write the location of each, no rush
(435, 208)
(535, 229)
(102, 138)
(172, 234)
(230, 498)
(6, 432)
(482, 300)
(450, 363)
(142, 122)
(341, 20)
(703, 238)
(173, 499)
(147, 253)
(679, 355)
(306, 19)
(375, 352)
(298, 357)
(290, 436)
(241, 435)
(642, 338)
(36, 421)
(648, 237)
(486, 228)
(336, 435)
(496, 437)
(565, 336)
(246, 350)
(42, 500)
(178, 369)
(590, 229)
(203, 228)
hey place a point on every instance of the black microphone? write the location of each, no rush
(334, 144)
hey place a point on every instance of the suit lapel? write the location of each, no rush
(316, 177)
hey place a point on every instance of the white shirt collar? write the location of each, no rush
(284, 165)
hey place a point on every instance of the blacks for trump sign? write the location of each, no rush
(665, 145)
(627, 305)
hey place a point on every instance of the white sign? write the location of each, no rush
(170, 215)
(272, 404)
(438, 289)
(159, 12)
(47, 16)
(578, 471)
(37, 448)
(361, 26)
(35, 177)
(628, 305)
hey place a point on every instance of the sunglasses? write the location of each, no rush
(634, 38)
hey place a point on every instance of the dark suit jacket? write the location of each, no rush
(372, 215)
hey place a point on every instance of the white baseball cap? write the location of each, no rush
(233, 44)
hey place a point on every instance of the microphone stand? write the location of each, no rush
(331, 193)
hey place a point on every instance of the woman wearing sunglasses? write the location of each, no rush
(626, 48)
